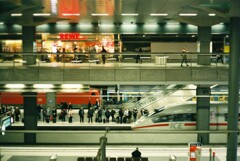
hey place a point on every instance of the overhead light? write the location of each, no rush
(16, 14)
(71, 90)
(187, 14)
(100, 14)
(42, 14)
(211, 14)
(18, 86)
(173, 23)
(1, 23)
(129, 14)
(71, 14)
(158, 14)
(72, 86)
(43, 86)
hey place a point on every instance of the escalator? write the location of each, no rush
(161, 96)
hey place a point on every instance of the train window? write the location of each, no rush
(178, 117)
(226, 117)
(165, 118)
(184, 117)
(93, 94)
(175, 117)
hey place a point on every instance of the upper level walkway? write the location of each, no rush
(152, 68)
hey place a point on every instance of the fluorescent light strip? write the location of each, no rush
(43, 86)
(211, 14)
(42, 14)
(129, 14)
(16, 14)
(15, 86)
(187, 14)
(71, 14)
(100, 14)
(72, 86)
(158, 14)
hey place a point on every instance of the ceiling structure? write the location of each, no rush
(37, 12)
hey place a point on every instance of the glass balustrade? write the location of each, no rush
(114, 60)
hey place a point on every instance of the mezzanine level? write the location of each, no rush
(88, 68)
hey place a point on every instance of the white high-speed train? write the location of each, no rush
(182, 117)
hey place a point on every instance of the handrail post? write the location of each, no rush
(101, 155)
(103, 141)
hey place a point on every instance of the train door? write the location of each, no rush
(214, 120)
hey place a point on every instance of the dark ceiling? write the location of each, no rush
(207, 12)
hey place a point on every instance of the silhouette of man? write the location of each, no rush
(136, 153)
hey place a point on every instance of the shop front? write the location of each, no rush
(63, 47)
(66, 47)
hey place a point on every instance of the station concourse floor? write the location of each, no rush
(112, 64)
(71, 153)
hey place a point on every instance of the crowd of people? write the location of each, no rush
(11, 111)
(65, 113)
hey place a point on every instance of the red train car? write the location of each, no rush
(82, 98)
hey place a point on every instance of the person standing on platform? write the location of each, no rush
(63, 115)
(103, 55)
(44, 111)
(99, 115)
(70, 106)
(39, 108)
(70, 115)
(89, 104)
(120, 113)
(138, 56)
(17, 114)
(90, 115)
(113, 115)
(108, 114)
(97, 105)
(219, 56)
(103, 115)
(48, 113)
(135, 111)
(81, 114)
(54, 115)
(184, 57)
(136, 153)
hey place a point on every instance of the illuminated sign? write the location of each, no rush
(71, 36)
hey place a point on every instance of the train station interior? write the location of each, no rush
(119, 80)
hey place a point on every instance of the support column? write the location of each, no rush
(204, 39)
(51, 99)
(30, 116)
(29, 44)
(203, 113)
(233, 98)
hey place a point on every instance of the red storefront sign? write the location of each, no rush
(72, 36)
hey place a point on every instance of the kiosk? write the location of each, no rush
(194, 151)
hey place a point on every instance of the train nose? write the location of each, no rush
(136, 124)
